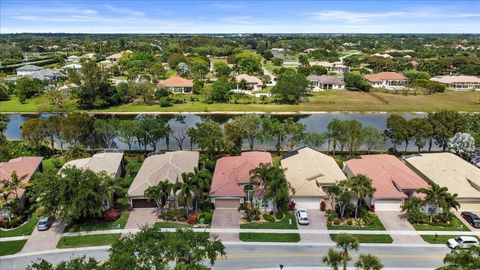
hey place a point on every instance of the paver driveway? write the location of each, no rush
(226, 218)
(140, 217)
(458, 214)
(317, 222)
(395, 221)
(44, 240)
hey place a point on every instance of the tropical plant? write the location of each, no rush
(368, 262)
(346, 242)
(435, 195)
(333, 258)
(14, 184)
(361, 187)
(159, 193)
(186, 190)
(462, 259)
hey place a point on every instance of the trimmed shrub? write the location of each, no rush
(192, 218)
(279, 215)
(111, 214)
(268, 218)
(369, 218)
(206, 217)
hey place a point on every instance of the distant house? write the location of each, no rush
(231, 180)
(88, 56)
(74, 59)
(74, 67)
(28, 69)
(324, 82)
(385, 55)
(178, 84)
(459, 83)
(253, 82)
(22, 166)
(393, 180)
(450, 171)
(335, 66)
(46, 75)
(310, 172)
(116, 56)
(387, 80)
(157, 168)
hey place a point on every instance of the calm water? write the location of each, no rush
(313, 123)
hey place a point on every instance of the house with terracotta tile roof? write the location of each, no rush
(387, 80)
(178, 84)
(232, 176)
(22, 166)
(310, 172)
(393, 180)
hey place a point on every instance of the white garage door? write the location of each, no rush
(307, 203)
(387, 205)
(469, 206)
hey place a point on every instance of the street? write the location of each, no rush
(254, 256)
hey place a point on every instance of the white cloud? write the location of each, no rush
(241, 20)
(224, 5)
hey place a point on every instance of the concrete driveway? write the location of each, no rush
(226, 218)
(140, 217)
(317, 222)
(44, 240)
(395, 221)
(465, 222)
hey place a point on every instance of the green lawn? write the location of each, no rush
(269, 237)
(368, 238)
(377, 226)
(455, 225)
(13, 105)
(25, 229)
(11, 247)
(439, 239)
(166, 224)
(98, 225)
(282, 224)
(87, 240)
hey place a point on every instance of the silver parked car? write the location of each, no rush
(302, 217)
(45, 223)
(462, 242)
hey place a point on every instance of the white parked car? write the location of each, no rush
(462, 242)
(302, 217)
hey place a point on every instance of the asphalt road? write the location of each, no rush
(241, 256)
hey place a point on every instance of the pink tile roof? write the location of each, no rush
(232, 172)
(22, 166)
(389, 175)
(385, 76)
(177, 81)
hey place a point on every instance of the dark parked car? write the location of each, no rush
(45, 223)
(472, 219)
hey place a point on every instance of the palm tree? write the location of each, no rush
(368, 262)
(259, 175)
(450, 201)
(346, 242)
(412, 206)
(203, 178)
(435, 195)
(5, 190)
(333, 258)
(164, 190)
(16, 183)
(110, 184)
(152, 193)
(187, 189)
(462, 259)
(361, 187)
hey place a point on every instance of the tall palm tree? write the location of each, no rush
(5, 190)
(462, 259)
(361, 187)
(450, 201)
(203, 178)
(186, 190)
(259, 175)
(165, 188)
(435, 195)
(333, 258)
(368, 262)
(346, 242)
(16, 183)
(110, 184)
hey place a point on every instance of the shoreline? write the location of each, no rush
(232, 112)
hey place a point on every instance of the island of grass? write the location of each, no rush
(269, 237)
(368, 238)
(88, 240)
(22, 230)
(11, 247)
(438, 239)
(99, 224)
(454, 225)
(375, 226)
(170, 224)
(288, 222)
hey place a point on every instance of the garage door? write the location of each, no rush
(227, 203)
(307, 203)
(142, 203)
(469, 206)
(387, 205)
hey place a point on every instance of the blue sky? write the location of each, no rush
(128, 16)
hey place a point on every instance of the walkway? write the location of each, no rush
(317, 222)
(44, 240)
(139, 217)
(395, 221)
(226, 218)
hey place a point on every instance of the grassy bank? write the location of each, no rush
(324, 101)
(87, 240)
(368, 238)
(438, 239)
(167, 224)
(278, 225)
(11, 247)
(25, 229)
(269, 237)
(455, 225)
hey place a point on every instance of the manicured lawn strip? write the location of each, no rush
(25, 229)
(269, 237)
(439, 239)
(377, 226)
(282, 224)
(99, 225)
(455, 225)
(87, 240)
(11, 247)
(368, 238)
(166, 224)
